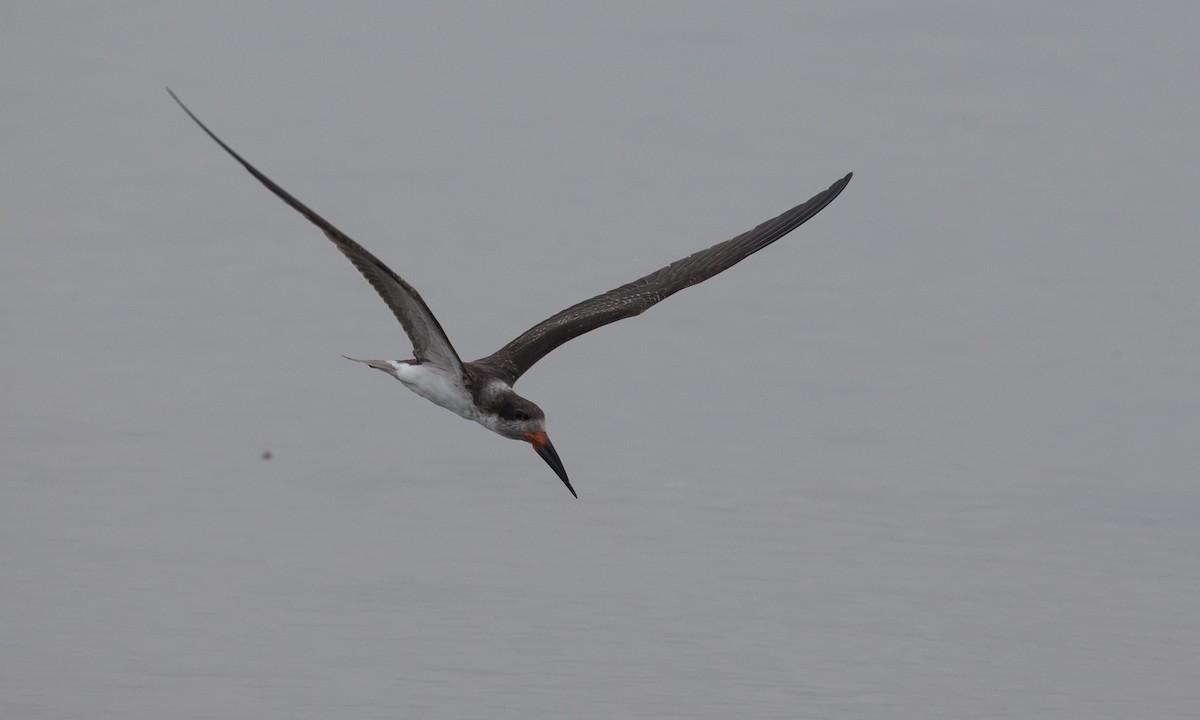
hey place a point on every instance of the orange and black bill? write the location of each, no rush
(542, 445)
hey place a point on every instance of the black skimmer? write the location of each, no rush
(482, 390)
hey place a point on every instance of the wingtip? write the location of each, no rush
(836, 188)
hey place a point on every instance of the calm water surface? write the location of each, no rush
(932, 456)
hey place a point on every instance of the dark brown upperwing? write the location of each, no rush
(429, 340)
(512, 360)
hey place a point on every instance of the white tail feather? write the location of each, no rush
(387, 366)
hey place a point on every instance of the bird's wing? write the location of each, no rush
(634, 298)
(429, 341)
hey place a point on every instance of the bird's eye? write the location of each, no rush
(520, 415)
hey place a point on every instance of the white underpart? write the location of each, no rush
(437, 387)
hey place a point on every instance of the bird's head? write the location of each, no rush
(521, 419)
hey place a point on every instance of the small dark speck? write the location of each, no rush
(266, 455)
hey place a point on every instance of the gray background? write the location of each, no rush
(932, 456)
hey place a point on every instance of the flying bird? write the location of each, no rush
(482, 390)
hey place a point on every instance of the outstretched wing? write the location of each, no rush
(429, 341)
(634, 298)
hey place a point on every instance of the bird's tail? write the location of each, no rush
(385, 365)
